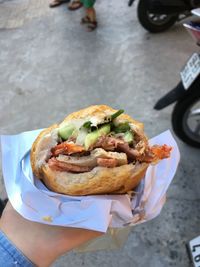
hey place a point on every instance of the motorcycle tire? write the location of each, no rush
(180, 120)
(151, 25)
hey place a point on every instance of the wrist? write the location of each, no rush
(26, 236)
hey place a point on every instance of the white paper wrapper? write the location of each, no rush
(36, 203)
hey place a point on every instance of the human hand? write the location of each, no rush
(41, 243)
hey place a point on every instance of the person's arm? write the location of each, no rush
(41, 244)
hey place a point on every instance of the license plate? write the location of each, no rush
(190, 71)
(194, 248)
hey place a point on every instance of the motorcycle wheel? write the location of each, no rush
(154, 22)
(186, 120)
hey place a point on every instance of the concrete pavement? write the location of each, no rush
(50, 66)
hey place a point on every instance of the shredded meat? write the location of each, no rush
(66, 148)
(57, 165)
(131, 153)
(111, 143)
(108, 143)
(161, 152)
(109, 163)
(70, 157)
(155, 153)
(150, 155)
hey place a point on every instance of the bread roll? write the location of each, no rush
(106, 171)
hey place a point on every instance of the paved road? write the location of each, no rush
(51, 66)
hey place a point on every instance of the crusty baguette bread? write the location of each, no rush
(100, 180)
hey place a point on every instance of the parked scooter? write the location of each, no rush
(186, 112)
(159, 15)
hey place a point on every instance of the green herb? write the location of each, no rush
(87, 125)
(122, 127)
(116, 114)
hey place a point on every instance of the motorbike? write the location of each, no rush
(186, 112)
(159, 15)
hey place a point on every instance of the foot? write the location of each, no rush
(55, 3)
(85, 20)
(74, 5)
(91, 26)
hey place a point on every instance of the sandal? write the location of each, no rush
(74, 5)
(85, 20)
(56, 3)
(91, 26)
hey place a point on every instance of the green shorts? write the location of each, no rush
(88, 3)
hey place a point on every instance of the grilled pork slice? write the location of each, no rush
(113, 143)
(58, 165)
(98, 157)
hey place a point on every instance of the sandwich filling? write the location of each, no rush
(107, 143)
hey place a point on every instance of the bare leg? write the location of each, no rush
(90, 19)
(91, 13)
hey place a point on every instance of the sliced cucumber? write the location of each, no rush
(128, 137)
(105, 129)
(92, 137)
(122, 127)
(66, 131)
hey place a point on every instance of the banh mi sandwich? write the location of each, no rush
(97, 150)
